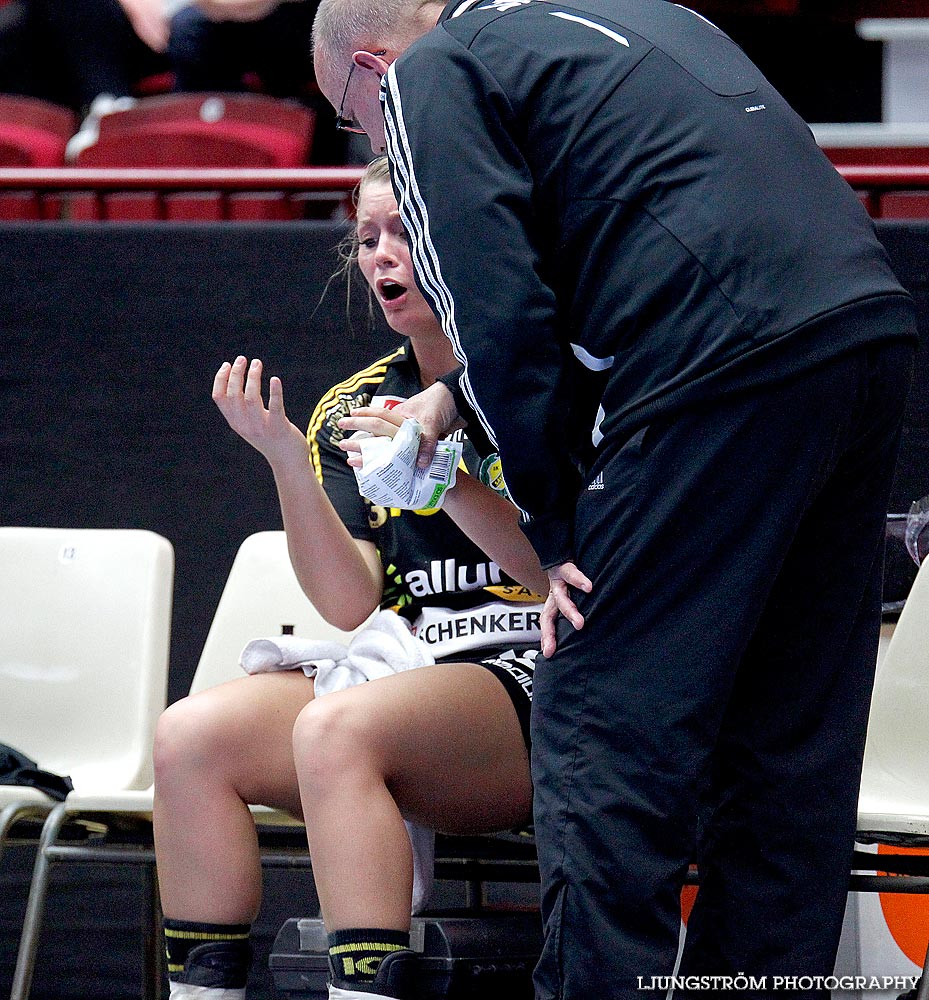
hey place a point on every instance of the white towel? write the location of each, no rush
(383, 647)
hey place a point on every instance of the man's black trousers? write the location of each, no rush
(713, 708)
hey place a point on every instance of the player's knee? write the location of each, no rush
(188, 739)
(328, 739)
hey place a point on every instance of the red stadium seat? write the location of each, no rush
(157, 83)
(202, 130)
(33, 133)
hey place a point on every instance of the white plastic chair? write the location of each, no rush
(85, 616)
(893, 804)
(261, 598)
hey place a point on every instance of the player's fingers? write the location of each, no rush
(389, 415)
(375, 425)
(221, 381)
(253, 381)
(276, 396)
(236, 376)
(568, 608)
(427, 446)
(547, 622)
(573, 576)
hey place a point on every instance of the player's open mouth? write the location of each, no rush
(390, 290)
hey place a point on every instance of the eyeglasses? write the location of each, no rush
(343, 124)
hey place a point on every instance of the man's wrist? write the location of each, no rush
(452, 381)
(552, 537)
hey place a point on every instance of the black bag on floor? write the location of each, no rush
(486, 956)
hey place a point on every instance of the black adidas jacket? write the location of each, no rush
(614, 214)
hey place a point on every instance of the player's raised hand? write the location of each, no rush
(237, 393)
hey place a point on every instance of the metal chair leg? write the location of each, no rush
(35, 906)
(13, 813)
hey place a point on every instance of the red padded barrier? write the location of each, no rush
(878, 156)
(891, 191)
(875, 166)
(238, 190)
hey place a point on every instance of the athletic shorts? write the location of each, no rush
(514, 668)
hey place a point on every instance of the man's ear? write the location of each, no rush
(368, 60)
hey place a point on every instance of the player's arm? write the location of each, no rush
(342, 576)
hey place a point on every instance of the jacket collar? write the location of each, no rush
(456, 8)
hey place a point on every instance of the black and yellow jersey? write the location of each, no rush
(456, 598)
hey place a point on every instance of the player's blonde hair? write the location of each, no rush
(377, 171)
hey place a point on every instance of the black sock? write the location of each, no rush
(355, 954)
(224, 946)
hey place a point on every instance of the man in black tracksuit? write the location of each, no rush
(679, 330)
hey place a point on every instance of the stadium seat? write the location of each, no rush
(261, 598)
(33, 133)
(85, 616)
(202, 130)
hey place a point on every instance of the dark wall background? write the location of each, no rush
(109, 339)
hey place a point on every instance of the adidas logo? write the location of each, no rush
(597, 484)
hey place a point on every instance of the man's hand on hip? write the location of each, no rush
(559, 602)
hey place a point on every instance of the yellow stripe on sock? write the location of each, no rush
(366, 946)
(204, 935)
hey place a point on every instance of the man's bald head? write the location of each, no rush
(344, 26)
